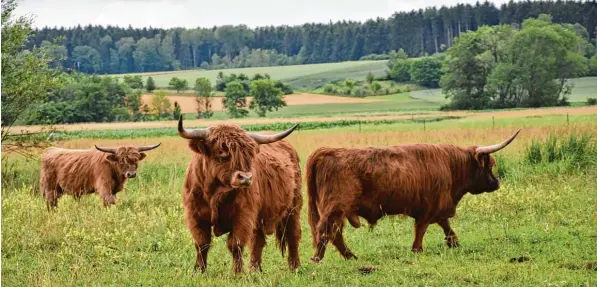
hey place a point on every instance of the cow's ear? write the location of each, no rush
(142, 156)
(112, 157)
(199, 146)
(481, 159)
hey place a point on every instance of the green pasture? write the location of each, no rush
(537, 230)
(583, 88)
(298, 76)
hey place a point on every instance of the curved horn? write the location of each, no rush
(147, 147)
(191, 134)
(265, 139)
(106, 149)
(496, 147)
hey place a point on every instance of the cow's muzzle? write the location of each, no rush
(241, 179)
(131, 174)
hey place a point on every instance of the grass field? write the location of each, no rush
(537, 230)
(583, 88)
(299, 76)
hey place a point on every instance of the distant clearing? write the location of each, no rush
(297, 75)
(189, 105)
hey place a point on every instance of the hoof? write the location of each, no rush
(417, 249)
(349, 255)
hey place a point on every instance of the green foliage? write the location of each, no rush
(150, 85)
(178, 84)
(266, 97)
(176, 112)
(591, 101)
(160, 104)
(370, 78)
(349, 83)
(86, 59)
(426, 71)
(592, 66)
(26, 75)
(501, 67)
(374, 57)
(135, 82)
(204, 92)
(285, 88)
(235, 100)
(375, 87)
(400, 70)
(576, 151)
(133, 103)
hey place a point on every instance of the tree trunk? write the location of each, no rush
(459, 29)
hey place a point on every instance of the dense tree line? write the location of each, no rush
(97, 49)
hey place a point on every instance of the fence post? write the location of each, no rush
(567, 118)
(493, 120)
(424, 124)
(359, 126)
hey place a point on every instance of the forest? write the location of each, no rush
(113, 50)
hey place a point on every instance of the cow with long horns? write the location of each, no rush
(423, 181)
(244, 184)
(78, 172)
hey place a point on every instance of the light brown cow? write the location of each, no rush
(244, 184)
(423, 181)
(78, 172)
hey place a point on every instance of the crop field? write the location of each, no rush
(538, 229)
(299, 76)
(583, 88)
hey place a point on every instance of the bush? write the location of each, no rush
(591, 101)
(578, 151)
(375, 57)
(178, 84)
(426, 71)
(150, 85)
(329, 88)
(361, 92)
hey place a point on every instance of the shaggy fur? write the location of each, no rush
(271, 204)
(423, 181)
(79, 172)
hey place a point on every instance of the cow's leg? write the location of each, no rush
(201, 232)
(198, 222)
(420, 229)
(52, 195)
(241, 234)
(290, 231)
(107, 197)
(451, 238)
(338, 241)
(257, 245)
(326, 227)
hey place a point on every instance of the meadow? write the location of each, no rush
(538, 229)
(304, 77)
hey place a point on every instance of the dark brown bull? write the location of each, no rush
(423, 181)
(244, 184)
(78, 172)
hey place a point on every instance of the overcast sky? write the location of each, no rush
(208, 13)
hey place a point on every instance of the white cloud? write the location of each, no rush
(189, 13)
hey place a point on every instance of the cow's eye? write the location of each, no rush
(222, 154)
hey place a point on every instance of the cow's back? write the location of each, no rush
(401, 179)
(74, 170)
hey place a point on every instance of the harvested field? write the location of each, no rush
(189, 105)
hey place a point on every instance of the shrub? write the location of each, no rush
(591, 101)
(329, 88)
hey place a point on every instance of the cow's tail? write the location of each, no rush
(312, 192)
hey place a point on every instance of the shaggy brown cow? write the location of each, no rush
(244, 184)
(423, 181)
(79, 172)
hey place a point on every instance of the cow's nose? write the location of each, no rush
(131, 174)
(245, 178)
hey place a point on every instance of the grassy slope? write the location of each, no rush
(539, 214)
(295, 73)
(583, 88)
